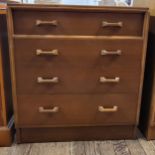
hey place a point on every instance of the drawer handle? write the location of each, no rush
(54, 52)
(102, 109)
(53, 80)
(43, 110)
(106, 80)
(41, 22)
(107, 24)
(105, 52)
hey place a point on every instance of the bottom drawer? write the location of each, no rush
(76, 110)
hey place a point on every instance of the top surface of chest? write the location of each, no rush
(133, 3)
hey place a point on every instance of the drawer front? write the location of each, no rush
(79, 66)
(77, 23)
(70, 110)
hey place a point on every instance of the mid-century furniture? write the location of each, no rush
(77, 71)
(6, 119)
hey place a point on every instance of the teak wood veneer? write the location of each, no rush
(77, 71)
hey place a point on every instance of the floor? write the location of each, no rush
(121, 147)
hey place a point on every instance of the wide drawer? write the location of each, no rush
(79, 66)
(77, 23)
(76, 110)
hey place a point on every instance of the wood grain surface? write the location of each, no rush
(78, 69)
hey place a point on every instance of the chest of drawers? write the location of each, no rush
(77, 71)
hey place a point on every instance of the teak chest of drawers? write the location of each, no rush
(77, 71)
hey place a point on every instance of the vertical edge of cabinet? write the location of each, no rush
(143, 60)
(150, 132)
(6, 92)
(6, 128)
(2, 93)
(147, 116)
(11, 54)
(3, 107)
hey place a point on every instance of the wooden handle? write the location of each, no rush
(41, 22)
(107, 24)
(53, 80)
(102, 109)
(53, 110)
(105, 52)
(106, 80)
(54, 52)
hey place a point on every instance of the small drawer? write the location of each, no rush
(76, 110)
(77, 23)
(77, 66)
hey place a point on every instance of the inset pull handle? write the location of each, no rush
(102, 109)
(106, 80)
(107, 24)
(54, 52)
(53, 110)
(105, 52)
(53, 80)
(41, 22)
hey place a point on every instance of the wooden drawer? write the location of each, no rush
(78, 66)
(77, 23)
(76, 110)
(70, 80)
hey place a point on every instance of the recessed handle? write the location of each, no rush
(52, 80)
(42, 22)
(108, 24)
(105, 52)
(53, 110)
(54, 52)
(102, 109)
(107, 80)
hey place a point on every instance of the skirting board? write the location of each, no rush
(28, 135)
